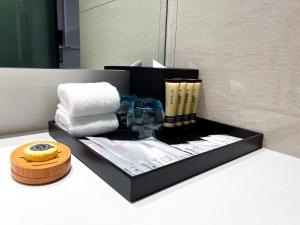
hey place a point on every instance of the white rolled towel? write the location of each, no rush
(83, 99)
(87, 125)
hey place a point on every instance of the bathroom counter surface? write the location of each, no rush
(260, 188)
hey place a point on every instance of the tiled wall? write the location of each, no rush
(120, 32)
(248, 53)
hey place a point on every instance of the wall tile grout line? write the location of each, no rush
(159, 24)
(94, 7)
(166, 31)
(176, 17)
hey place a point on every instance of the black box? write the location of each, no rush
(150, 82)
(137, 187)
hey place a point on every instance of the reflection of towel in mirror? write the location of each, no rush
(83, 99)
(87, 125)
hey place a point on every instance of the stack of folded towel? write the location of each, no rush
(87, 109)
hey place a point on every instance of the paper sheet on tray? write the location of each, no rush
(137, 157)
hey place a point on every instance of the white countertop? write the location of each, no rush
(260, 188)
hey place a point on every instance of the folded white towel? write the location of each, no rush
(87, 125)
(83, 99)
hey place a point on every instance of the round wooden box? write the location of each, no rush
(35, 173)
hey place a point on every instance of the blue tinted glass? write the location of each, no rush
(145, 116)
(125, 100)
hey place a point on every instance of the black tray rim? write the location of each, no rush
(255, 135)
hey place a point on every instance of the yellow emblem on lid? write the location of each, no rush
(40, 151)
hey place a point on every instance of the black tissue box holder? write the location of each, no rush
(150, 82)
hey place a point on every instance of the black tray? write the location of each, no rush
(137, 187)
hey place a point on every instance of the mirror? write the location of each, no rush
(81, 33)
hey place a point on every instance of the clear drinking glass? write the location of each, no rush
(145, 117)
(125, 101)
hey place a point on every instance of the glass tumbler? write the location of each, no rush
(145, 117)
(125, 101)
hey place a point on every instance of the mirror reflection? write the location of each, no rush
(81, 33)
